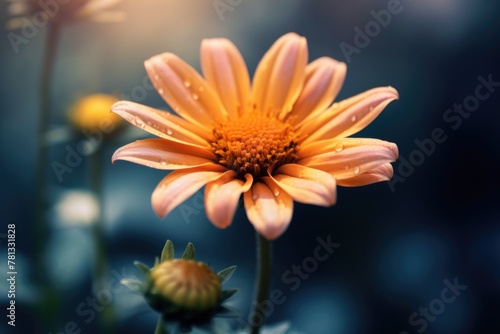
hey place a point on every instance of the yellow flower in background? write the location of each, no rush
(275, 140)
(39, 12)
(92, 112)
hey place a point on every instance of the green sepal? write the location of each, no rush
(225, 274)
(168, 251)
(142, 267)
(227, 312)
(189, 253)
(133, 285)
(226, 294)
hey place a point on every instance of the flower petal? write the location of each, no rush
(162, 123)
(352, 161)
(323, 80)
(185, 90)
(338, 145)
(306, 185)
(279, 77)
(179, 185)
(222, 196)
(268, 209)
(163, 154)
(381, 173)
(349, 116)
(224, 68)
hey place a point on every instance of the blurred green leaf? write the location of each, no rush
(225, 274)
(168, 251)
(189, 253)
(142, 267)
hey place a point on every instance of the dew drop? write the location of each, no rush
(356, 170)
(195, 97)
(347, 166)
(157, 77)
(163, 162)
(169, 132)
(139, 122)
(187, 84)
(255, 196)
(371, 108)
(160, 90)
(353, 118)
(201, 88)
(339, 147)
(276, 192)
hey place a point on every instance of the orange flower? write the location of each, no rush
(276, 140)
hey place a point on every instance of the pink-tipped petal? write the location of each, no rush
(185, 90)
(162, 154)
(378, 174)
(338, 145)
(306, 185)
(352, 161)
(269, 208)
(162, 124)
(224, 68)
(179, 185)
(349, 116)
(279, 77)
(323, 80)
(222, 196)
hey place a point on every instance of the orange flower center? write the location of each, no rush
(253, 143)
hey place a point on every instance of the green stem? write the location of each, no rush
(100, 261)
(263, 281)
(50, 300)
(160, 329)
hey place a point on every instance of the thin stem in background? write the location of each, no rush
(100, 261)
(48, 309)
(160, 328)
(257, 318)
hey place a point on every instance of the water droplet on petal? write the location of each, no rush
(255, 196)
(356, 170)
(353, 118)
(371, 108)
(276, 192)
(339, 147)
(169, 132)
(347, 166)
(201, 88)
(195, 97)
(160, 90)
(163, 162)
(139, 122)
(187, 84)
